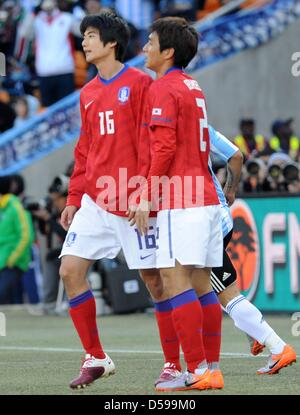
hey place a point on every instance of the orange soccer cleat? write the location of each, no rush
(216, 379)
(186, 381)
(256, 348)
(276, 362)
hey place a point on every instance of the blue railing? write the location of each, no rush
(39, 136)
(221, 38)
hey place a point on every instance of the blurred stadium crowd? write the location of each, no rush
(42, 44)
(271, 164)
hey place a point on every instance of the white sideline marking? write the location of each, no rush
(69, 350)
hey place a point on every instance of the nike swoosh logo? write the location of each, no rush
(191, 382)
(87, 105)
(271, 366)
(144, 257)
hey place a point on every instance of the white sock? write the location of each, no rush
(274, 343)
(202, 368)
(250, 320)
(213, 366)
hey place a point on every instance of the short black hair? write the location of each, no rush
(247, 122)
(175, 32)
(111, 27)
(5, 184)
(19, 184)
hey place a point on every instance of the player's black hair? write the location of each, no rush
(111, 27)
(175, 32)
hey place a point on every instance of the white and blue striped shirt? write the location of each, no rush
(223, 148)
(138, 12)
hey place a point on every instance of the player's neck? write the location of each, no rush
(109, 68)
(163, 69)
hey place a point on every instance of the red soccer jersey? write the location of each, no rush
(106, 155)
(179, 141)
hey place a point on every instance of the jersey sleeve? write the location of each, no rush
(77, 181)
(220, 145)
(163, 107)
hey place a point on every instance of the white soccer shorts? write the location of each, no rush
(192, 236)
(96, 233)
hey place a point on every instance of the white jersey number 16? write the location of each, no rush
(107, 124)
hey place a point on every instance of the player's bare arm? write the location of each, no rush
(234, 169)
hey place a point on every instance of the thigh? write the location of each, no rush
(90, 235)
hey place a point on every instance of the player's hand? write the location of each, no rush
(230, 197)
(142, 216)
(131, 214)
(67, 216)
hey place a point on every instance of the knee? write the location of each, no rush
(68, 271)
(154, 284)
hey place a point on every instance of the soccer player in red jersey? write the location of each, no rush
(106, 158)
(188, 222)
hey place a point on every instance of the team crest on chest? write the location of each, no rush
(123, 94)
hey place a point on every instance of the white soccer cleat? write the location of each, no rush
(92, 369)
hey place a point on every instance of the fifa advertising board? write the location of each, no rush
(265, 250)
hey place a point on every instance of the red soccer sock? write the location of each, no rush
(168, 337)
(212, 326)
(83, 314)
(187, 318)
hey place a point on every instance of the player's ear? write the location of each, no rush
(169, 53)
(113, 44)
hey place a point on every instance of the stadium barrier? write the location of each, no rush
(229, 35)
(265, 250)
(58, 125)
(41, 135)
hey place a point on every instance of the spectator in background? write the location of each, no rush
(93, 6)
(140, 14)
(248, 141)
(9, 16)
(22, 111)
(7, 116)
(284, 139)
(54, 61)
(25, 107)
(28, 286)
(15, 242)
(50, 227)
(181, 8)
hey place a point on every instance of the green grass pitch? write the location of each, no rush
(40, 355)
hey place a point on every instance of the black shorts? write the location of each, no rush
(222, 277)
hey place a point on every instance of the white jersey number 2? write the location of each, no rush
(107, 124)
(203, 123)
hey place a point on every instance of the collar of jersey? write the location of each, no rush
(109, 81)
(173, 68)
